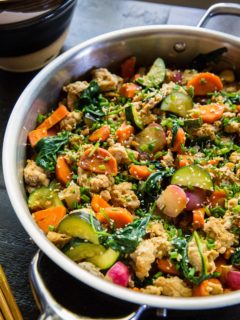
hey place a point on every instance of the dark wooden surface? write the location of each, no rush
(92, 17)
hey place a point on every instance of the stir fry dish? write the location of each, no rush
(136, 177)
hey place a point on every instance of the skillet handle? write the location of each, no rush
(218, 9)
(52, 310)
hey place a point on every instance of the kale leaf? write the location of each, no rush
(126, 239)
(235, 258)
(48, 148)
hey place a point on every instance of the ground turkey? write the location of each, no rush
(70, 122)
(34, 176)
(120, 153)
(106, 80)
(73, 91)
(123, 196)
(59, 239)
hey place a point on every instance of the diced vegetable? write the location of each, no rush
(204, 83)
(217, 198)
(120, 216)
(196, 198)
(172, 201)
(80, 224)
(204, 288)
(43, 198)
(155, 76)
(100, 134)
(118, 274)
(151, 139)
(184, 160)
(60, 113)
(139, 172)
(209, 113)
(78, 250)
(179, 141)
(98, 203)
(198, 218)
(192, 123)
(129, 90)
(128, 68)
(63, 171)
(105, 260)
(36, 135)
(99, 161)
(133, 116)
(192, 176)
(233, 280)
(49, 217)
(178, 103)
(124, 132)
(167, 266)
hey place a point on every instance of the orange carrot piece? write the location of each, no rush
(98, 161)
(202, 289)
(129, 90)
(179, 141)
(217, 198)
(228, 253)
(204, 83)
(238, 108)
(100, 134)
(139, 172)
(60, 113)
(124, 132)
(36, 135)
(166, 266)
(128, 68)
(198, 218)
(120, 216)
(63, 171)
(210, 112)
(98, 203)
(213, 162)
(49, 217)
(184, 160)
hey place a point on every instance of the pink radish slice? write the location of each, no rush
(118, 274)
(195, 198)
(233, 280)
(172, 201)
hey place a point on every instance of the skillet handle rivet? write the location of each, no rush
(179, 46)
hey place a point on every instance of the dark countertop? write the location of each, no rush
(16, 249)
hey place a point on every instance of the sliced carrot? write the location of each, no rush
(100, 134)
(129, 90)
(60, 113)
(120, 216)
(63, 171)
(213, 162)
(124, 132)
(128, 68)
(228, 253)
(184, 160)
(179, 141)
(36, 135)
(204, 83)
(49, 217)
(166, 266)
(202, 289)
(198, 218)
(139, 172)
(217, 198)
(238, 108)
(98, 203)
(99, 161)
(209, 113)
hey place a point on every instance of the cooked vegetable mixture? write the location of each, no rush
(137, 177)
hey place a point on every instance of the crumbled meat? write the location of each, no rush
(152, 290)
(34, 176)
(120, 153)
(225, 174)
(215, 228)
(214, 288)
(59, 239)
(232, 127)
(150, 249)
(88, 266)
(206, 130)
(235, 157)
(105, 194)
(123, 196)
(187, 75)
(106, 80)
(195, 258)
(168, 88)
(71, 121)
(100, 182)
(167, 159)
(71, 195)
(73, 91)
(173, 287)
(232, 203)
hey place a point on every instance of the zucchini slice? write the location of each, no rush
(192, 123)
(132, 116)
(78, 250)
(105, 260)
(178, 103)
(80, 224)
(155, 76)
(43, 198)
(192, 176)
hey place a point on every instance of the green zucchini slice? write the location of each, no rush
(79, 251)
(155, 76)
(105, 260)
(178, 103)
(132, 116)
(43, 198)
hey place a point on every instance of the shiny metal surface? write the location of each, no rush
(108, 50)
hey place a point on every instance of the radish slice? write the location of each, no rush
(118, 274)
(195, 198)
(172, 201)
(233, 280)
